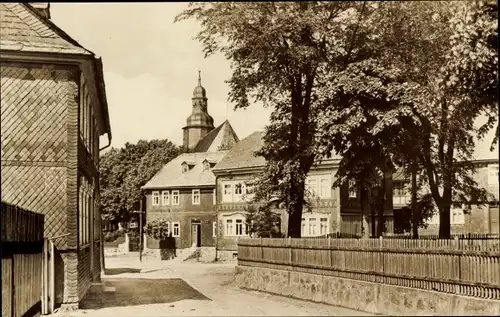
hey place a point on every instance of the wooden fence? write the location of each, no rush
(462, 267)
(22, 247)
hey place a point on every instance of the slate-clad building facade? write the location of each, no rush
(54, 110)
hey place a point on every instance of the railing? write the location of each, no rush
(460, 236)
(462, 267)
(22, 246)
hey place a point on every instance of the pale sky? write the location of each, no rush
(151, 68)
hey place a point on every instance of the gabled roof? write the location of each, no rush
(171, 175)
(242, 155)
(24, 28)
(221, 137)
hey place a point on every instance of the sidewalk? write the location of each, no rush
(191, 289)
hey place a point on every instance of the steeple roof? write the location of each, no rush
(199, 92)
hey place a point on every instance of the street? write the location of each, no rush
(169, 288)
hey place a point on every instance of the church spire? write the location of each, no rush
(199, 123)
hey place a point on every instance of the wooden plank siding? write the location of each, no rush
(461, 267)
(22, 246)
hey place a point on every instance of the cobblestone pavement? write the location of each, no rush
(169, 288)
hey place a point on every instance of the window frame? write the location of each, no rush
(193, 195)
(305, 225)
(351, 189)
(227, 198)
(165, 193)
(155, 194)
(214, 229)
(178, 234)
(493, 179)
(176, 194)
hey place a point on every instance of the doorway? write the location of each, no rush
(196, 233)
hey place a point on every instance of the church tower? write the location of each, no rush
(199, 123)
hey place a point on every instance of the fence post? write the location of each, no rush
(290, 250)
(330, 253)
(381, 259)
(458, 258)
(261, 250)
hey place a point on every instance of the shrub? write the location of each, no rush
(157, 229)
(112, 236)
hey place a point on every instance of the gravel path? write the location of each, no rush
(167, 288)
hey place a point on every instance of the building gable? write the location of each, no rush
(219, 139)
(24, 28)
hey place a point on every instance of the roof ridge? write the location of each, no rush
(52, 26)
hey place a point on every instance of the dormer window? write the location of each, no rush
(186, 166)
(208, 165)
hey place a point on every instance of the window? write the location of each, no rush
(323, 226)
(314, 225)
(457, 216)
(175, 197)
(185, 168)
(325, 187)
(214, 229)
(312, 185)
(400, 195)
(229, 227)
(319, 186)
(206, 166)
(214, 198)
(239, 227)
(176, 229)
(196, 196)
(236, 226)
(86, 208)
(493, 174)
(228, 195)
(352, 189)
(156, 199)
(165, 197)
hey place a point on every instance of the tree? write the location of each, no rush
(279, 53)
(465, 88)
(124, 171)
(435, 108)
(262, 221)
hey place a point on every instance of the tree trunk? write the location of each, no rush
(380, 211)
(444, 222)
(295, 211)
(414, 210)
(382, 196)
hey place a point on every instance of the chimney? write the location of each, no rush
(42, 7)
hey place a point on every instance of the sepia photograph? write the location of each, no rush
(297, 158)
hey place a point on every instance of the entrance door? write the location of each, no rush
(196, 234)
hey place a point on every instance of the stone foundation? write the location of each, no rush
(364, 296)
(227, 255)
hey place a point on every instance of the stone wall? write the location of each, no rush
(360, 295)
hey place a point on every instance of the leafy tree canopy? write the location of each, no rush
(125, 170)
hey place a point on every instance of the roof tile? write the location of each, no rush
(24, 29)
(171, 175)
